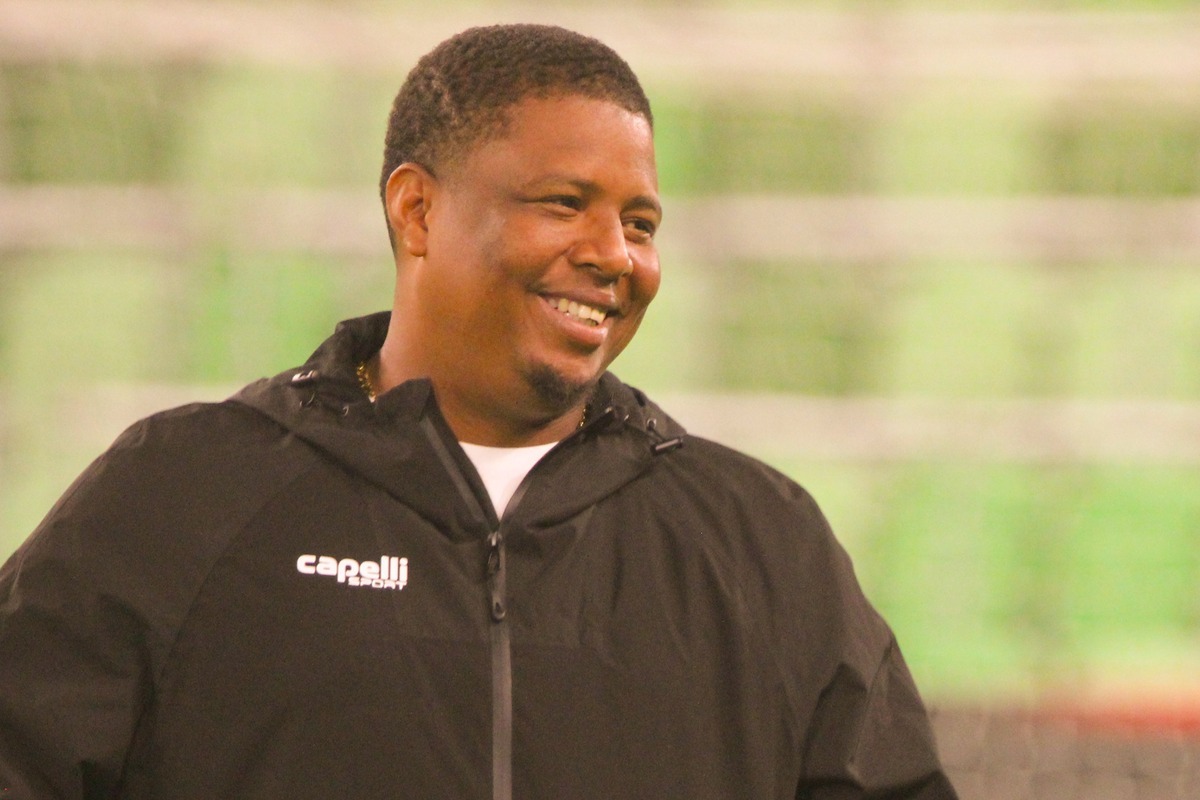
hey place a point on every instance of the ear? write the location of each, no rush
(410, 189)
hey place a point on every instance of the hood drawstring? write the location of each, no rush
(615, 417)
(662, 445)
(306, 380)
(611, 418)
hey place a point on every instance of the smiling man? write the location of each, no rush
(452, 556)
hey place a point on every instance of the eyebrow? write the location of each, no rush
(646, 202)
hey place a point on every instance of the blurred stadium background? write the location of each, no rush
(939, 261)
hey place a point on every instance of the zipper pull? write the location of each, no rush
(495, 576)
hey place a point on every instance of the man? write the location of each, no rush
(451, 556)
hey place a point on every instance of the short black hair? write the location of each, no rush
(458, 93)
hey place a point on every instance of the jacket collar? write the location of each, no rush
(388, 443)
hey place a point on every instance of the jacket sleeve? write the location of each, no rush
(871, 739)
(92, 603)
(868, 734)
(74, 670)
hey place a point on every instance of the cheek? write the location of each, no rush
(644, 281)
(643, 286)
(522, 254)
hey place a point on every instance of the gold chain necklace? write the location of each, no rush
(364, 382)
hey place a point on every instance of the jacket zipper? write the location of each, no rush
(501, 646)
(500, 633)
(500, 640)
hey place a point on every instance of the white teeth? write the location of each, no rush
(580, 311)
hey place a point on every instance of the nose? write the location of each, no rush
(602, 247)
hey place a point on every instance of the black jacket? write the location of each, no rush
(298, 593)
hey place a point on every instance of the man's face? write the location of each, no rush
(540, 259)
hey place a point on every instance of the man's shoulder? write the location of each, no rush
(206, 425)
(180, 481)
(712, 467)
(726, 472)
(726, 457)
(195, 455)
(226, 434)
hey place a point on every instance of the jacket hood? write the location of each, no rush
(396, 441)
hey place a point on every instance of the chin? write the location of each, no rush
(557, 391)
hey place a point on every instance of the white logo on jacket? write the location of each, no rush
(389, 572)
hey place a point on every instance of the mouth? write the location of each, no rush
(581, 312)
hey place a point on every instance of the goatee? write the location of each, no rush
(557, 394)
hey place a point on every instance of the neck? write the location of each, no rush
(496, 418)
(492, 429)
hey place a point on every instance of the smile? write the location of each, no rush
(583, 313)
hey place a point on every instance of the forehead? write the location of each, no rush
(540, 134)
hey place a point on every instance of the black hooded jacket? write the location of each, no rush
(299, 593)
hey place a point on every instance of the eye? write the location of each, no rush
(641, 228)
(566, 201)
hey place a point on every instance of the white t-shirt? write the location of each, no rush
(503, 468)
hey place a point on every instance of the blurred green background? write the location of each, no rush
(936, 261)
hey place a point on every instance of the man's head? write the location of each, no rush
(524, 236)
(458, 94)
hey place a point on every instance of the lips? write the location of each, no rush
(582, 312)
